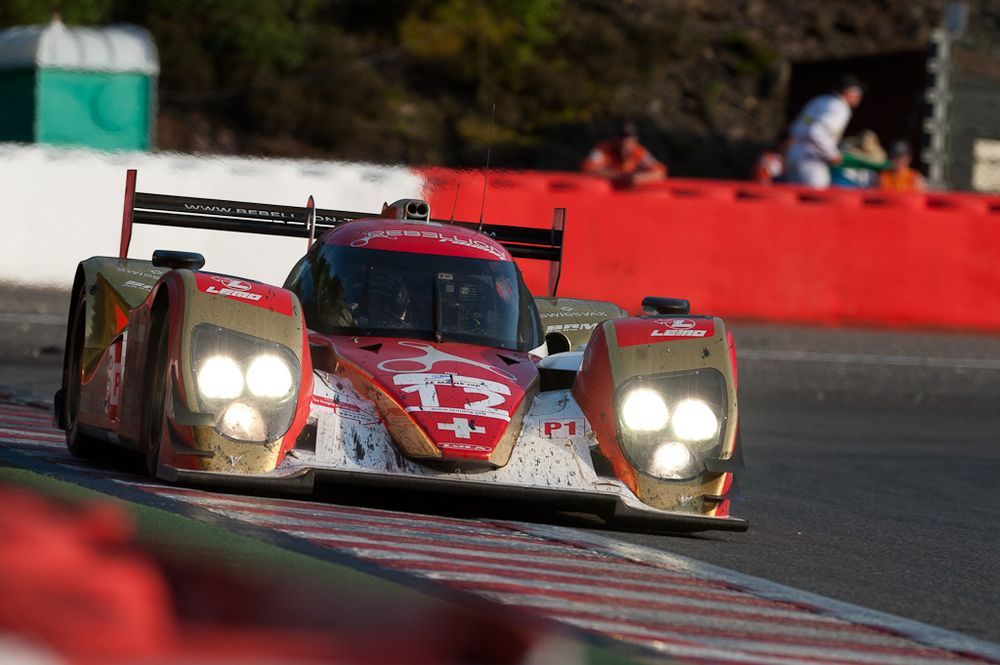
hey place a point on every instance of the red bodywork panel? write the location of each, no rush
(417, 238)
(631, 332)
(593, 390)
(462, 396)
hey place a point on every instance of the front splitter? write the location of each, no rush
(610, 506)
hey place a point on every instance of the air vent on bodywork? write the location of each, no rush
(413, 210)
(306, 439)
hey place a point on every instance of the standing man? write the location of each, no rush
(817, 131)
(623, 161)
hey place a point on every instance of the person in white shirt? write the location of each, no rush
(816, 133)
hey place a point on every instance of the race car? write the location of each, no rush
(401, 351)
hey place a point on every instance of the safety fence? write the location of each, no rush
(772, 253)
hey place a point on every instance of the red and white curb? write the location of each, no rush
(672, 604)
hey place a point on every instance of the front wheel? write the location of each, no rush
(79, 443)
(158, 399)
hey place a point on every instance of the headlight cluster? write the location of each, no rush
(248, 383)
(669, 424)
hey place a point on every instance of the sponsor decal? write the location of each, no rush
(235, 288)
(566, 327)
(230, 283)
(465, 446)
(678, 333)
(569, 313)
(253, 293)
(431, 357)
(344, 410)
(677, 324)
(631, 332)
(426, 388)
(678, 328)
(132, 284)
(395, 234)
(462, 428)
(560, 429)
(154, 274)
(255, 212)
(116, 371)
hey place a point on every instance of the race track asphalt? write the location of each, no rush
(873, 463)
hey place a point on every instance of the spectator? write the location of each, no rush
(863, 158)
(623, 160)
(901, 178)
(770, 167)
(816, 132)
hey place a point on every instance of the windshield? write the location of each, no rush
(356, 291)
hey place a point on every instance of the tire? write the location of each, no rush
(79, 443)
(157, 397)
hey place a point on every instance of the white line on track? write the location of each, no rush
(759, 649)
(793, 626)
(30, 318)
(869, 359)
(625, 574)
(37, 319)
(661, 601)
(320, 518)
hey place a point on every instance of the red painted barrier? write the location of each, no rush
(774, 253)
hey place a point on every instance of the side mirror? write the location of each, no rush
(169, 258)
(665, 306)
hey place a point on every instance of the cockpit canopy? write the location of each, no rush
(348, 290)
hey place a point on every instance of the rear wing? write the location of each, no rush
(310, 222)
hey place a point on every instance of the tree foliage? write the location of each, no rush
(415, 80)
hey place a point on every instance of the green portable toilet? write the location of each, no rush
(92, 87)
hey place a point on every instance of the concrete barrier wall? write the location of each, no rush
(752, 252)
(61, 206)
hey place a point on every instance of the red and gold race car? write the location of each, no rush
(401, 351)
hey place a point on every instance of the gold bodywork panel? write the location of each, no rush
(113, 288)
(572, 321)
(119, 297)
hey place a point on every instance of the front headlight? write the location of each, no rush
(673, 460)
(249, 384)
(695, 421)
(243, 421)
(669, 424)
(270, 376)
(643, 410)
(219, 377)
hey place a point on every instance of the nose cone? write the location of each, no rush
(452, 402)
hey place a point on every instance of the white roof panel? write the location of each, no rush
(116, 48)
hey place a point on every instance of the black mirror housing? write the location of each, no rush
(665, 306)
(169, 258)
